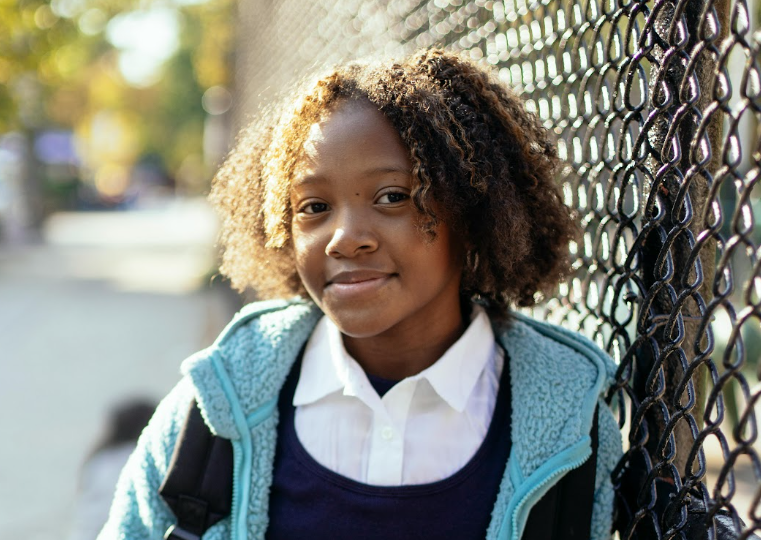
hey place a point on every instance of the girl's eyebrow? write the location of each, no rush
(306, 180)
(316, 178)
(392, 169)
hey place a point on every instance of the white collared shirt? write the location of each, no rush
(422, 430)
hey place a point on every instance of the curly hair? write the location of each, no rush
(488, 164)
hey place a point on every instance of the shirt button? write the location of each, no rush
(387, 433)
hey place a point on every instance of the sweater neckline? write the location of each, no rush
(499, 429)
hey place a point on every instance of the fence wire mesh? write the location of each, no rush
(656, 106)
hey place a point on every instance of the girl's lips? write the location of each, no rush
(356, 276)
(357, 283)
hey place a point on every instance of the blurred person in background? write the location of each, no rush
(101, 468)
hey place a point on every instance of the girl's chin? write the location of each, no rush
(359, 323)
(357, 330)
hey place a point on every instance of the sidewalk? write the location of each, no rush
(106, 309)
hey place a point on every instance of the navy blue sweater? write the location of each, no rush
(308, 500)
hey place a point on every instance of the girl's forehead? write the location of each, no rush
(353, 139)
(345, 123)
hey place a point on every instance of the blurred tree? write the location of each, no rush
(61, 68)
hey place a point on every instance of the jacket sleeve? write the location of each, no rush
(608, 453)
(137, 511)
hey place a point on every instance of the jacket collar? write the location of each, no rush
(243, 371)
(557, 377)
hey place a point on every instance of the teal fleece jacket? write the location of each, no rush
(557, 381)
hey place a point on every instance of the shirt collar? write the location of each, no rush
(327, 367)
(323, 370)
(456, 373)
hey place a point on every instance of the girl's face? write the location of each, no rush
(358, 250)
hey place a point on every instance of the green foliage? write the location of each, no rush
(57, 69)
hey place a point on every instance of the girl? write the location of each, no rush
(403, 208)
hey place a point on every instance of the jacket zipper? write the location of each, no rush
(237, 457)
(238, 525)
(548, 479)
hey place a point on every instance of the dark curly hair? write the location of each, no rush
(487, 163)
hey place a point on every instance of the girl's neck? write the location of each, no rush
(401, 353)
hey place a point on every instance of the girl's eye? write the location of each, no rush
(393, 197)
(314, 208)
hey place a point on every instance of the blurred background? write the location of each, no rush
(113, 117)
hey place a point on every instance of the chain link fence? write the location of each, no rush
(656, 106)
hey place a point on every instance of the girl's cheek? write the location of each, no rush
(303, 241)
(309, 257)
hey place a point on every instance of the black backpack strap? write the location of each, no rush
(198, 484)
(565, 511)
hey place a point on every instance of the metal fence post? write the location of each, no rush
(679, 255)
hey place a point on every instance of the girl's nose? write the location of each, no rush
(350, 237)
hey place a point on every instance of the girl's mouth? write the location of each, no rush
(357, 282)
